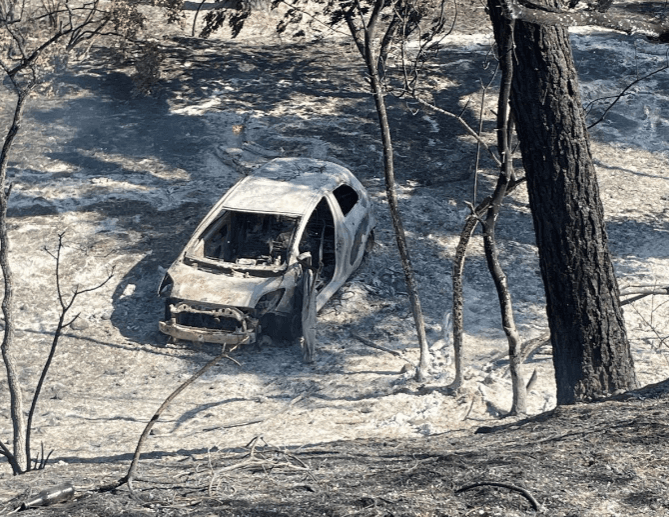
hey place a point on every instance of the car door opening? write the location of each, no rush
(320, 227)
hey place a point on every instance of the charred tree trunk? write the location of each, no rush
(19, 460)
(374, 57)
(504, 131)
(591, 353)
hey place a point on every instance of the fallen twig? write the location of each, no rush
(528, 350)
(371, 344)
(258, 420)
(518, 489)
(135, 460)
(532, 380)
(471, 406)
(641, 291)
(265, 458)
(533, 345)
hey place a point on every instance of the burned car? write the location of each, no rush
(240, 275)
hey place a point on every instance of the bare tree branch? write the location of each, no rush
(464, 124)
(371, 344)
(65, 306)
(535, 14)
(129, 477)
(28, 38)
(621, 94)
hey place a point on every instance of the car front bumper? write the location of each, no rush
(206, 335)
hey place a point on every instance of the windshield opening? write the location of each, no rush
(250, 239)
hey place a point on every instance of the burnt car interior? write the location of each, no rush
(320, 227)
(248, 238)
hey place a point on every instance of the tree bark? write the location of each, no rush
(591, 353)
(459, 297)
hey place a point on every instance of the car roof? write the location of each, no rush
(288, 186)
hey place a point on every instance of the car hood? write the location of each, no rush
(219, 288)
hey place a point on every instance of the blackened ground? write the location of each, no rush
(602, 459)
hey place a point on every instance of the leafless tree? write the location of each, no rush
(414, 71)
(35, 38)
(373, 31)
(23, 429)
(506, 177)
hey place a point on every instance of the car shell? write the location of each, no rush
(214, 294)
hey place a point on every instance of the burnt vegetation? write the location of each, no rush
(590, 459)
(576, 460)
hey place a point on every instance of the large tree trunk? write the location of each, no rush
(591, 352)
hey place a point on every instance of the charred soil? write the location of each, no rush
(606, 458)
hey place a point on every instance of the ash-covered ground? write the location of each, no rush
(128, 178)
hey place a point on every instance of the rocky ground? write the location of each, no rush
(127, 179)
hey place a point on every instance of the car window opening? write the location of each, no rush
(347, 197)
(250, 239)
(321, 227)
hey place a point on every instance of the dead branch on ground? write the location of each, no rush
(130, 476)
(650, 324)
(258, 420)
(371, 344)
(527, 495)
(259, 458)
(637, 292)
